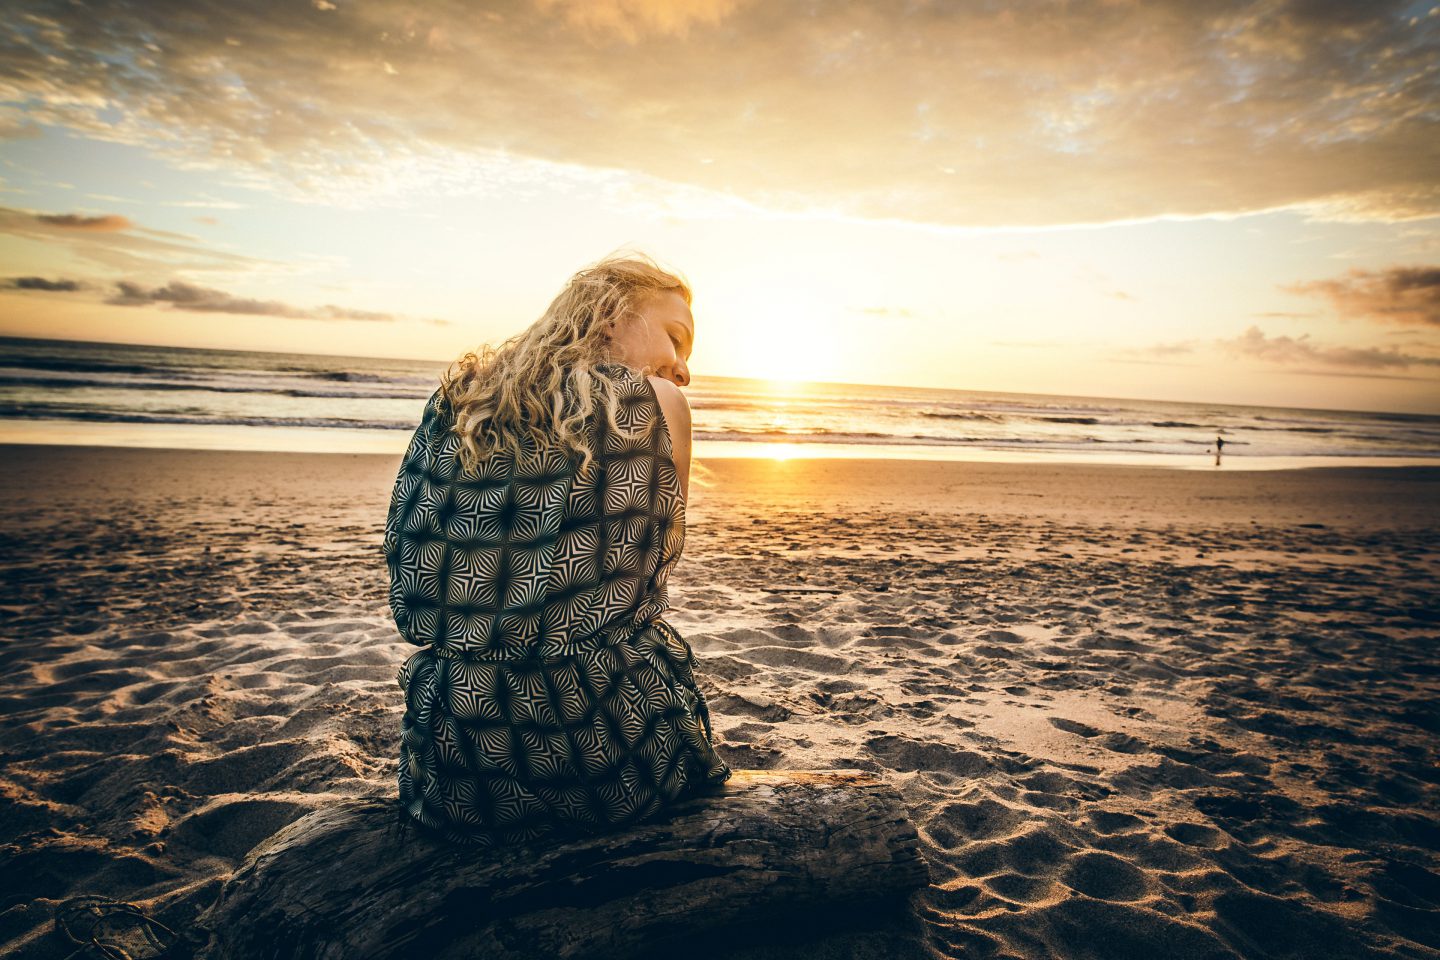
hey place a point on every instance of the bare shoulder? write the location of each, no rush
(677, 419)
(673, 404)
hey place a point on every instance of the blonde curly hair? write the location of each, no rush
(541, 388)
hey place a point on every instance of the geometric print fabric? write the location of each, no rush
(549, 694)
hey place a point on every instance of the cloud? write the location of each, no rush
(1177, 349)
(109, 223)
(1160, 354)
(40, 283)
(1407, 295)
(186, 296)
(971, 114)
(179, 295)
(1281, 315)
(132, 250)
(1289, 351)
(207, 203)
(633, 19)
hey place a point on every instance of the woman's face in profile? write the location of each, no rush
(658, 338)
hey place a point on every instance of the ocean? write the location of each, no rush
(110, 394)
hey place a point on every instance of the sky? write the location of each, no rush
(1218, 201)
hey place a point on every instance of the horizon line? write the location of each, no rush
(716, 376)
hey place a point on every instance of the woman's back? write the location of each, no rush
(513, 560)
(550, 692)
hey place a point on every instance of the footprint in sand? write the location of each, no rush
(1037, 851)
(1074, 726)
(1408, 884)
(1152, 851)
(1105, 877)
(746, 756)
(1020, 888)
(1197, 835)
(1123, 743)
(746, 732)
(905, 755)
(756, 706)
(1270, 926)
(727, 667)
(231, 827)
(957, 824)
(798, 659)
(1001, 636)
(1110, 822)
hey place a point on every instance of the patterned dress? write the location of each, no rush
(550, 694)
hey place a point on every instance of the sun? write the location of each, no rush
(788, 338)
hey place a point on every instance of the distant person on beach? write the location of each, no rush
(533, 526)
(1219, 448)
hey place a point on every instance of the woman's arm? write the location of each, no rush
(677, 416)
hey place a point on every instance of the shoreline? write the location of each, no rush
(334, 440)
(877, 473)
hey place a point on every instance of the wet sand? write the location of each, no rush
(1133, 712)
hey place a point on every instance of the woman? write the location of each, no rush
(536, 517)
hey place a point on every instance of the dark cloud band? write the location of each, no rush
(186, 296)
(40, 283)
(109, 223)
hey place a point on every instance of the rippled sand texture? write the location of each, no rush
(1133, 713)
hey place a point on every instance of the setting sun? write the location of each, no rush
(775, 334)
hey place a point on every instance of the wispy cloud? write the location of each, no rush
(180, 295)
(974, 114)
(890, 313)
(1281, 315)
(108, 223)
(205, 203)
(185, 296)
(1290, 351)
(1407, 295)
(128, 249)
(41, 283)
(1177, 349)
(1302, 354)
(1178, 353)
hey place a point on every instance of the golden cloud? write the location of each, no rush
(1286, 350)
(969, 114)
(133, 249)
(1407, 295)
(109, 223)
(632, 19)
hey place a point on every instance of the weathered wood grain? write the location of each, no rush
(763, 849)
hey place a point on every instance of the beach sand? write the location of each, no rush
(1133, 713)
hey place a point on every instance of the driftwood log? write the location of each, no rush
(765, 850)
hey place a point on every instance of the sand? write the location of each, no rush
(1133, 713)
